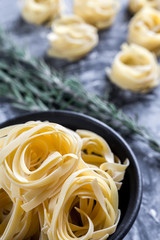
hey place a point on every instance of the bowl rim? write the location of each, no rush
(125, 228)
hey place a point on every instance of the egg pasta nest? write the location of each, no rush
(134, 68)
(136, 5)
(144, 29)
(71, 38)
(40, 11)
(57, 184)
(100, 13)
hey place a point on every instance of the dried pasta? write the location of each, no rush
(40, 11)
(100, 13)
(97, 153)
(144, 29)
(136, 5)
(57, 184)
(43, 160)
(94, 201)
(71, 38)
(135, 68)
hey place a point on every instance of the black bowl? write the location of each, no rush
(130, 194)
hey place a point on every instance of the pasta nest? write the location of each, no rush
(87, 207)
(37, 158)
(135, 68)
(71, 38)
(100, 13)
(96, 153)
(144, 29)
(136, 5)
(40, 11)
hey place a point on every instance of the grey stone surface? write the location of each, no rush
(91, 73)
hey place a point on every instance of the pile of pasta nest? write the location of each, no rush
(57, 184)
(73, 36)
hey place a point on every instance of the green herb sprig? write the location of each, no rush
(33, 85)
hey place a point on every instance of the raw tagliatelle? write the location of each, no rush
(71, 38)
(135, 68)
(87, 206)
(37, 158)
(100, 13)
(136, 5)
(57, 184)
(96, 153)
(144, 29)
(40, 11)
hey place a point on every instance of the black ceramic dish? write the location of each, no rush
(131, 192)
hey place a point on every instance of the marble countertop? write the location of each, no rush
(91, 71)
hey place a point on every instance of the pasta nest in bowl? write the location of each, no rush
(135, 68)
(40, 11)
(71, 38)
(99, 13)
(136, 5)
(87, 207)
(96, 153)
(144, 29)
(36, 158)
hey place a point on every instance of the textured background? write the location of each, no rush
(91, 73)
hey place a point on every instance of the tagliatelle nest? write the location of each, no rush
(135, 68)
(86, 198)
(71, 38)
(40, 11)
(136, 5)
(144, 29)
(100, 13)
(45, 145)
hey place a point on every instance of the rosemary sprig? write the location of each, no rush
(33, 85)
